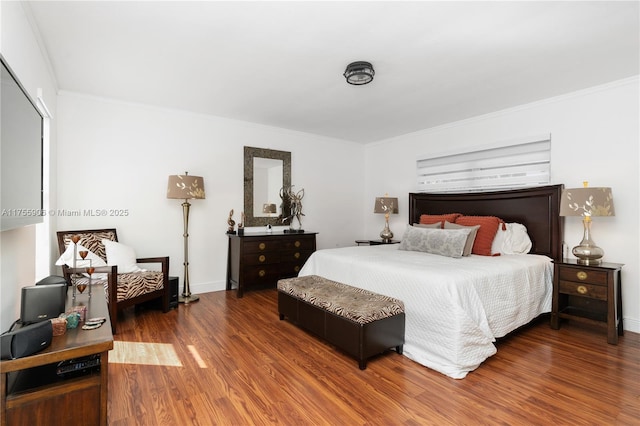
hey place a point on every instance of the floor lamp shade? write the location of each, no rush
(186, 187)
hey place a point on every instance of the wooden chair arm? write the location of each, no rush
(162, 260)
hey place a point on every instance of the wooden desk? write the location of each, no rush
(80, 400)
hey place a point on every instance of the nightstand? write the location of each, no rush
(375, 242)
(590, 294)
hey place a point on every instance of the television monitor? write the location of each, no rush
(21, 130)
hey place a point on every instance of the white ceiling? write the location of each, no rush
(281, 63)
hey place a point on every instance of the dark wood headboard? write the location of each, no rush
(536, 208)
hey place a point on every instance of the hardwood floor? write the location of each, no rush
(241, 365)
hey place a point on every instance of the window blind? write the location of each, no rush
(506, 165)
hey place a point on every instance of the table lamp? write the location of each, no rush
(386, 205)
(587, 202)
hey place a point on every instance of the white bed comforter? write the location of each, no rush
(455, 308)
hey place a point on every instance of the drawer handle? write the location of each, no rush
(297, 268)
(297, 255)
(297, 244)
(582, 289)
(261, 258)
(262, 246)
(582, 275)
(262, 273)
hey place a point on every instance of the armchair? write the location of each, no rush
(122, 289)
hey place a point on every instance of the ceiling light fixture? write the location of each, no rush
(359, 73)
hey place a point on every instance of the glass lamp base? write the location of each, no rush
(386, 234)
(588, 255)
(587, 252)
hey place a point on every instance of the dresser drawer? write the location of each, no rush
(263, 245)
(299, 243)
(583, 289)
(265, 258)
(584, 276)
(262, 274)
(295, 256)
(290, 269)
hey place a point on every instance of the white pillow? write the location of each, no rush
(122, 256)
(67, 258)
(514, 240)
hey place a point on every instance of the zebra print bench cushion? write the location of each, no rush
(356, 304)
(129, 285)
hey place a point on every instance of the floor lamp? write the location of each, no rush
(186, 187)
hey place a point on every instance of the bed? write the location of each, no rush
(456, 308)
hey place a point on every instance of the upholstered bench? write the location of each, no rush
(358, 321)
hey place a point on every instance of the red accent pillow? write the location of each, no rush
(486, 233)
(427, 219)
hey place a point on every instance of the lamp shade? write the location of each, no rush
(589, 201)
(185, 187)
(386, 205)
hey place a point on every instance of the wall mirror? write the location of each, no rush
(266, 171)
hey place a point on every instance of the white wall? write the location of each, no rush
(595, 135)
(18, 264)
(118, 156)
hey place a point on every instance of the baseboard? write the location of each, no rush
(207, 287)
(632, 324)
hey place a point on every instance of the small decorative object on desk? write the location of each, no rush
(294, 201)
(73, 319)
(81, 310)
(241, 224)
(59, 325)
(80, 282)
(231, 223)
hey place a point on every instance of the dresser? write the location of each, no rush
(588, 293)
(261, 259)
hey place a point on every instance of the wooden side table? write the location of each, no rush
(31, 390)
(588, 293)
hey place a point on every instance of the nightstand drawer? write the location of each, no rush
(583, 289)
(584, 276)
